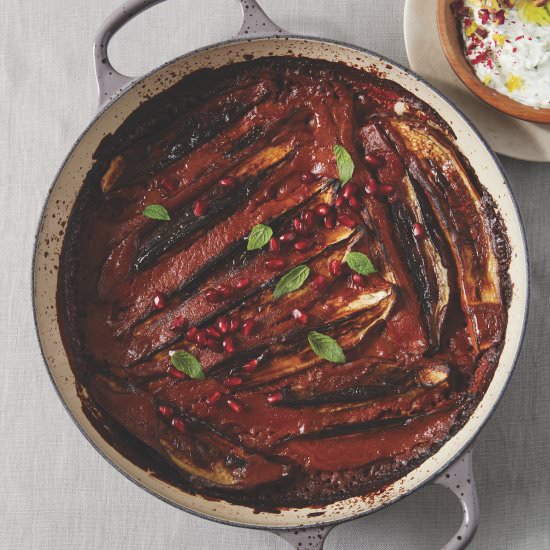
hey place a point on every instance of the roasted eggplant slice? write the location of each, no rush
(186, 221)
(459, 209)
(359, 318)
(181, 138)
(395, 440)
(198, 451)
(348, 411)
(359, 381)
(410, 212)
(217, 461)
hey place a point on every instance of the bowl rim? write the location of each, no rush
(486, 415)
(451, 43)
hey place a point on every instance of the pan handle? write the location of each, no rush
(310, 538)
(110, 82)
(459, 478)
(256, 23)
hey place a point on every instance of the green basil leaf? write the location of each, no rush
(156, 212)
(291, 281)
(259, 236)
(326, 347)
(344, 163)
(187, 363)
(360, 263)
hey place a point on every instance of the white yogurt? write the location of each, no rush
(512, 57)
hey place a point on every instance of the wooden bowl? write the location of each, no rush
(451, 40)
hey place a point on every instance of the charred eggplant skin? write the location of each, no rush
(400, 270)
(441, 172)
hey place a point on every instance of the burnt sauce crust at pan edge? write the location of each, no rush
(273, 424)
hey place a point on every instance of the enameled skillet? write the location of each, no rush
(119, 96)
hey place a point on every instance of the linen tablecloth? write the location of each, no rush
(56, 492)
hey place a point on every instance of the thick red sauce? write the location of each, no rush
(272, 423)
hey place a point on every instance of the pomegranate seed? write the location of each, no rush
(234, 405)
(372, 187)
(165, 411)
(330, 220)
(234, 325)
(200, 337)
(385, 189)
(299, 226)
(274, 245)
(344, 219)
(287, 237)
(229, 344)
(322, 209)
(200, 208)
(232, 381)
(243, 282)
(224, 324)
(483, 15)
(300, 316)
(190, 335)
(339, 201)
(335, 268)
(308, 177)
(174, 373)
(229, 182)
(359, 280)
(250, 366)
(418, 231)
(319, 282)
(275, 397)
(213, 344)
(354, 203)
(480, 31)
(373, 161)
(168, 185)
(214, 398)
(179, 425)
(178, 323)
(158, 300)
(225, 290)
(213, 296)
(348, 190)
(275, 264)
(308, 218)
(211, 331)
(248, 327)
(500, 17)
(303, 244)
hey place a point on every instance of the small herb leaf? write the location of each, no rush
(326, 347)
(259, 236)
(291, 281)
(360, 263)
(344, 163)
(156, 212)
(187, 363)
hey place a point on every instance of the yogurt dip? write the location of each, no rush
(507, 43)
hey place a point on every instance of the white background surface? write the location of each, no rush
(56, 492)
